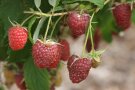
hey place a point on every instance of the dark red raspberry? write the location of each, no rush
(78, 23)
(46, 55)
(79, 69)
(65, 48)
(122, 15)
(19, 80)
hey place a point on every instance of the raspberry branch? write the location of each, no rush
(45, 14)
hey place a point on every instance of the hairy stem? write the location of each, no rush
(49, 21)
(26, 19)
(45, 14)
(55, 26)
(90, 30)
(87, 35)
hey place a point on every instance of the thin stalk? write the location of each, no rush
(26, 19)
(89, 31)
(87, 35)
(132, 4)
(81, 12)
(91, 37)
(106, 1)
(11, 22)
(49, 21)
(55, 26)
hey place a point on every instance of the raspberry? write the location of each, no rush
(71, 60)
(46, 55)
(122, 15)
(65, 54)
(79, 69)
(17, 36)
(78, 23)
(19, 81)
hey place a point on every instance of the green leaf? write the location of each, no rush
(106, 23)
(31, 22)
(133, 16)
(19, 56)
(73, 1)
(58, 8)
(130, 1)
(99, 3)
(54, 3)
(9, 9)
(35, 78)
(37, 3)
(107, 34)
(40, 24)
(3, 52)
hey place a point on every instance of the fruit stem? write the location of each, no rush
(85, 43)
(45, 14)
(89, 31)
(132, 4)
(123, 1)
(27, 19)
(49, 21)
(55, 26)
(11, 22)
(81, 12)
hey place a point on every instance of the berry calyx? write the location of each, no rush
(95, 64)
